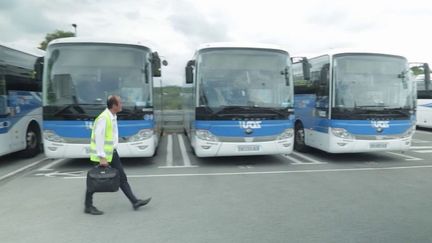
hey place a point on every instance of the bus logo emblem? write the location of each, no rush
(250, 124)
(248, 131)
(380, 125)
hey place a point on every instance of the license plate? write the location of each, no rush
(378, 145)
(243, 148)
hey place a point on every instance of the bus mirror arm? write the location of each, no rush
(285, 72)
(38, 67)
(189, 71)
(156, 64)
(306, 68)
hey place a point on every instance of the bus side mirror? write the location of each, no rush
(189, 72)
(286, 75)
(38, 68)
(306, 69)
(324, 75)
(156, 65)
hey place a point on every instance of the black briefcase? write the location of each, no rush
(103, 179)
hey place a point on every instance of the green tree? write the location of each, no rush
(54, 35)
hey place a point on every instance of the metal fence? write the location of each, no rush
(172, 121)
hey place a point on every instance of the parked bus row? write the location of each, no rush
(238, 99)
(344, 102)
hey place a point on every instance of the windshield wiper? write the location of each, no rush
(232, 108)
(251, 110)
(399, 110)
(275, 110)
(369, 106)
(67, 107)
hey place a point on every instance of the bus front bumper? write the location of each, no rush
(339, 145)
(205, 148)
(145, 148)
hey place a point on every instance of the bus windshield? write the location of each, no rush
(372, 82)
(82, 74)
(233, 77)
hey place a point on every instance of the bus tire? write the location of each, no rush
(33, 142)
(299, 139)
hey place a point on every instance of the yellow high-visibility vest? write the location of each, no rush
(109, 142)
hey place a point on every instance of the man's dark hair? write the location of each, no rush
(112, 100)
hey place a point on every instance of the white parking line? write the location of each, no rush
(420, 141)
(407, 157)
(186, 160)
(48, 166)
(421, 147)
(169, 156)
(293, 160)
(22, 169)
(423, 151)
(423, 132)
(273, 172)
(177, 167)
(313, 161)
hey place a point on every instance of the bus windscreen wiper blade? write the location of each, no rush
(370, 106)
(398, 110)
(67, 107)
(232, 109)
(274, 110)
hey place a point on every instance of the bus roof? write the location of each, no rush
(248, 45)
(32, 52)
(77, 40)
(332, 52)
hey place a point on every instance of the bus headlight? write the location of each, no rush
(287, 133)
(53, 137)
(341, 133)
(141, 135)
(205, 135)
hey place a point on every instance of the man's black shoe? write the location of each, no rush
(140, 203)
(92, 210)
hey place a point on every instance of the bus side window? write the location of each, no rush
(3, 96)
(320, 76)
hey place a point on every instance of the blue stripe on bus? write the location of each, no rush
(20, 104)
(362, 127)
(82, 129)
(237, 128)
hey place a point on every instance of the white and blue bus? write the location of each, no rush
(348, 102)
(421, 72)
(79, 75)
(239, 100)
(20, 101)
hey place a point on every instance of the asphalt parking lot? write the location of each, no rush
(313, 197)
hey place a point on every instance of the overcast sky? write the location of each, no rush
(176, 27)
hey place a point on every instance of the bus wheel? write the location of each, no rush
(32, 142)
(299, 138)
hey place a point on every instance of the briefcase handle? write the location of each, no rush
(100, 166)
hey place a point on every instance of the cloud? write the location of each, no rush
(176, 27)
(197, 26)
(19, 18)
(6, 5)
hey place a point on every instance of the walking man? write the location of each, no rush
(104, 141)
